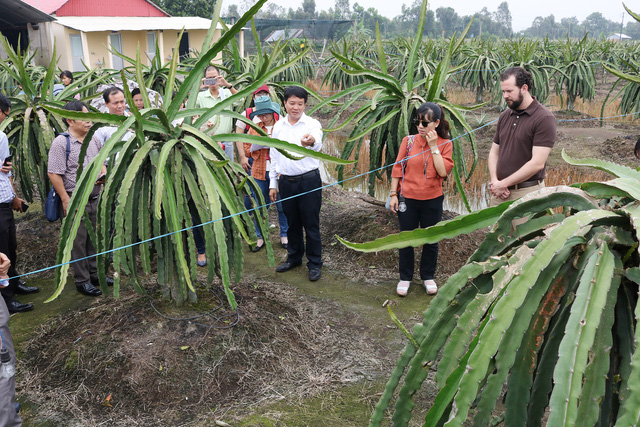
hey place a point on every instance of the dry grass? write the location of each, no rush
(317, 86)
(163, 372)
(593, 108)
(461, 96)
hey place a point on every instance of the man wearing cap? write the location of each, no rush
(525, 134)
(218, 89)
(244, 154)
(265, 112)
(299, 183)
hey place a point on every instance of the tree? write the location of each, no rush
(569, 27)
(430, 25)
(632, 29)
(272, 11)
(232, 11)
(201, 8)
(595, 24)
(543, 27)
(503, 18)
(448, 19)
(342, 9)
(309, 7)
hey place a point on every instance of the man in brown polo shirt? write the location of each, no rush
(524, 137)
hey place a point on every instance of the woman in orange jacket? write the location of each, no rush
(424, 160)
(267, 111)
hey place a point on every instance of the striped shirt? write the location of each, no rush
(6, 189)
(68, 170)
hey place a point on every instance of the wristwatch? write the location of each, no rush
(435, 151)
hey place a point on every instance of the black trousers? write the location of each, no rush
(419, 213)
(8, 246)
(303, 212)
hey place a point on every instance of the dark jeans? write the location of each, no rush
(419, 213)
(85, 270)
(8, 246)
(198, 234)
(303, 213)
(282, 219)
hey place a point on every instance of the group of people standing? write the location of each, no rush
(525, 134)
(293, 186)
(524, 137)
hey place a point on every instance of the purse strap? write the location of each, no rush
(403, 162)
(68, 151)
(66, 135)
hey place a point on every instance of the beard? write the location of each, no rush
(515, 104)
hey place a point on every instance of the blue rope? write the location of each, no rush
(236, 214)
(266, 205)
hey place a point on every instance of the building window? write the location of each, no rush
(151, 46)
(116, 44)
(77, 56)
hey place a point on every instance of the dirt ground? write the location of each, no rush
(294, 353)
(120, 362)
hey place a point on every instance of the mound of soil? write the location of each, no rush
(357, 217)
(37, 240)
(122, 362)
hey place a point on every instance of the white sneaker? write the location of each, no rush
(403, 287)
(431, 287)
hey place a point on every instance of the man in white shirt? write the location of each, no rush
(298, 182)
(114, 101)
(218, 89)
(9, 202)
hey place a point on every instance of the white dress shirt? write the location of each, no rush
(280, 165)
(6, 189)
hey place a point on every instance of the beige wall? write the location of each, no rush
(60, 35)
(40, 42)
(97, 54)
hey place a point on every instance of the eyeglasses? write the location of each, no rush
(425, 123)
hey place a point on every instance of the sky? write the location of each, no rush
(523, 12)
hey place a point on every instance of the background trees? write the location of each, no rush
(443, 21)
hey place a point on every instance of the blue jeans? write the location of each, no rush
(264, 188)
(228, 149)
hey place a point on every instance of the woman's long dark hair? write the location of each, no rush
(432, 112)
(66, 73)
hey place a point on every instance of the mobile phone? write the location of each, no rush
(8, 159)
(210, 81)
(25, 207)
